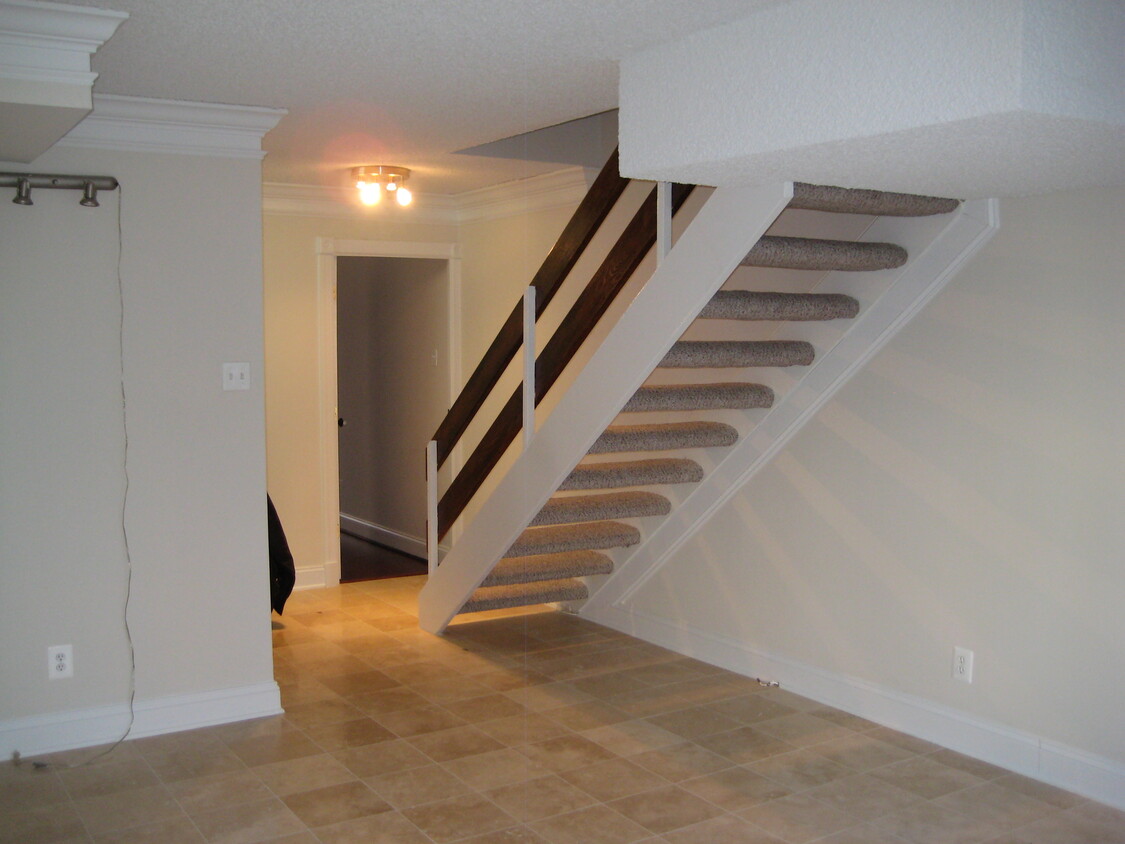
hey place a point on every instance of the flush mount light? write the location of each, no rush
(373, 179)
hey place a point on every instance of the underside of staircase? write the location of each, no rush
(753, 342)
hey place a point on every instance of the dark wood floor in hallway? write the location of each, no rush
(361, 559)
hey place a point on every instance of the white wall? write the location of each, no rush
(964, 489)
(199, 607)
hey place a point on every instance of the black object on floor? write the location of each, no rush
(361, 559)
(282, 573)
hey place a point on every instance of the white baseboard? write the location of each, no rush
(311, 577)
(404, 542)
(40, 734)
(1051, 762)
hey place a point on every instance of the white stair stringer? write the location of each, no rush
(724, 230)
(937, 254)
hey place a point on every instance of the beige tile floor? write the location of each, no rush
(527, 728)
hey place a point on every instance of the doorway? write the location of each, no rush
(392, 343)
(416, 317)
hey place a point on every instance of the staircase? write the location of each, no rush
(737, 362)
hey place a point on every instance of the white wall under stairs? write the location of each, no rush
(938, 247)
(703, 259)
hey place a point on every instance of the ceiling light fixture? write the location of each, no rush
(373, 179)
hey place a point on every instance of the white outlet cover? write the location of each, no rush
(963, 665)
(60, 662)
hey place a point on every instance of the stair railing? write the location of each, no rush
(540, 374)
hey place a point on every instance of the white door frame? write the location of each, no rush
(328, 249)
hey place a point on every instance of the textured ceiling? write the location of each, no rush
(403, 82)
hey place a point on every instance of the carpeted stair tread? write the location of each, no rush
(664, 437)
(740, 353)
(874, 202)
(660, 470)
(791, 307)
(548, 567)
(607, 505)
(731, 395)
(525, 594)
(803, 253)
(555, 539)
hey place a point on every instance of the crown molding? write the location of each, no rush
(140, 124)
(291, 200)
(51, 31)
(563, 188)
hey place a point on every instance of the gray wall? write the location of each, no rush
(191, 270)
(393, 385)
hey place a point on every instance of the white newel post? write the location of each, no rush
(663, 220)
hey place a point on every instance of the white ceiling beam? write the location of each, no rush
(952, 97)
(46, 85)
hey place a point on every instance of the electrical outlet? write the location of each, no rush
(60, 662)
(963, 665)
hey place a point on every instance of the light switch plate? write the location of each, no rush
(236, 376)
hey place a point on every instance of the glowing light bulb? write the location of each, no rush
(404, 196)
(370, 193)
(392, 185)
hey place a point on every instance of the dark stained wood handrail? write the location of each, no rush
(621, 262)
(583, 225)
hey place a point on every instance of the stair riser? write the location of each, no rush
(798, 253)
(872, 202)
(707, 354)
(583, 479)
(525, 595)
(700, 397)
(588, 508)
(782, 307)
(549, 567)
(608, 443)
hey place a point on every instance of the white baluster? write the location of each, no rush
(431, 505)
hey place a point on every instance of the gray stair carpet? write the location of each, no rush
(732, 395)
(584, 537)
(803, 253)
(664, 437)
(791, 307)
(607, 505)
(525, 594)
(718, 353)
(877, 203)
(664, 470)
(548, 567)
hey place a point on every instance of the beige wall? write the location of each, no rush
(291, 352)
(191, 274)
(964, 489)
(393, 387)
(498, 258)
